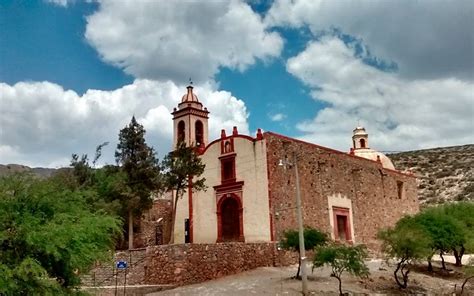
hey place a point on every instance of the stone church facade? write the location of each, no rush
(251, 197)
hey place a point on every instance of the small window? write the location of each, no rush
(181, 131)
(199, 133)
(362, 143)
(228, 169)
(400, 189)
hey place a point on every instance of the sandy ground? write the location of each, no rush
(278, 281)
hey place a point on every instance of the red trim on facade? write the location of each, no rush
(337, 211)
(237, 136)
(229, 187)
(335, 151)
(190, 201)
(270, 206)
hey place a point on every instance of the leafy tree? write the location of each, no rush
(49, 235)
(463, 212)
(312, 239)
(182, 170)
(446, 233)
(82, 170)
(140, 165)
(342, 258)
(408, 242)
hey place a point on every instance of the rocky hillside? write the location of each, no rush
(444, 174)
(16, 168)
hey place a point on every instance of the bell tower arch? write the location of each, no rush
(190, 121)
(360, 138)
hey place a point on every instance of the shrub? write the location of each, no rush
(342, 258)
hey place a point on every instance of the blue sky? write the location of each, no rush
(72, 73)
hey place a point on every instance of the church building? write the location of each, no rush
(251, 195)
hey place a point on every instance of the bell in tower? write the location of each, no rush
(190, 121)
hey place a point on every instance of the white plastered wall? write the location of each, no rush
(182, 213)
(340, 201)
(251, 167)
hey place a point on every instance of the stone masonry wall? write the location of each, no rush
(182, 264)
(150, 228)
(193, 263)
(324, 172)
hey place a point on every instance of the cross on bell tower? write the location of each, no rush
(190, 121)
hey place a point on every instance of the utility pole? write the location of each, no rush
(304, 276)
(302, 253)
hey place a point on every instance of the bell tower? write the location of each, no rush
(190, 121)
(360, 138)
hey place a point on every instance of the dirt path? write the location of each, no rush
(277, 281)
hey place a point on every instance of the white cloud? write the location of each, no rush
(427, 39)
(63, 3)
(42, 124)
(177, 40)
(277, 116)
(399, 114)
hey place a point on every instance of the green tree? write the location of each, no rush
(463, 212)
(143, 176)
(408, 242)
(342, 258)
(82, 171)
(312, 239)
(49, 235)
(446, 233)
(183, 167)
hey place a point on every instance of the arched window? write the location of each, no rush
(362, 143)
(181, 131)
(199, 133)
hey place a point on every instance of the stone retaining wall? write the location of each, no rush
(193, 263)
(183, 264)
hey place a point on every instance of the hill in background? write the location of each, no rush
(17, 168)
(443, 174)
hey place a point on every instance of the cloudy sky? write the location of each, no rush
(72, 73)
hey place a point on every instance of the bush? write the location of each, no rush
(342, 258)
(312, 239)
(408, 242)
(49, 235)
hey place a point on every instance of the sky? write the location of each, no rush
(73, 73)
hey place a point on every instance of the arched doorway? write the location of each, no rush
(230, 220)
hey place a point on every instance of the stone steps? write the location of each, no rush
(107, 275)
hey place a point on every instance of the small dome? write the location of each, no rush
(189, 96)
(375, 155)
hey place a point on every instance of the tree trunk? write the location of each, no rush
(299, 267)
(458, 255)
(130, 229)
(173, 217)
(443, 264)
(464, 283)
(395, 273)
(430, 266)
(340, 285)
